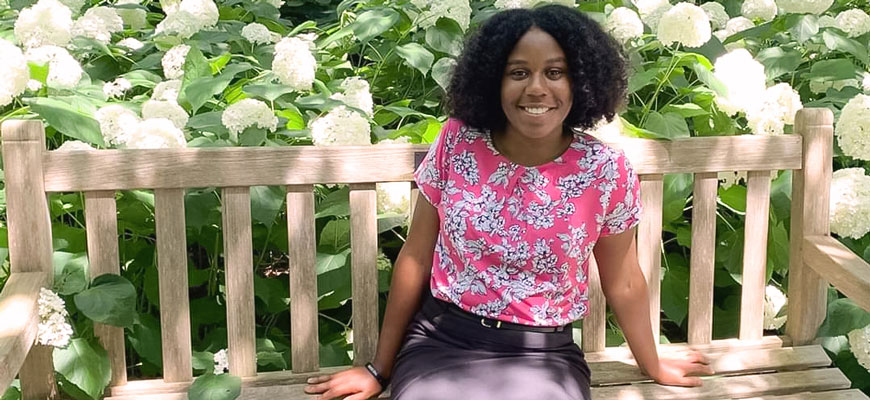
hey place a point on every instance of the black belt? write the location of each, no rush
(496, 324)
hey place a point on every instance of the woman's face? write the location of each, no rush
(536, 88)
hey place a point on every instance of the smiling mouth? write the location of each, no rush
(536, 110)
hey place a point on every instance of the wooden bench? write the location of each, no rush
(751, 365)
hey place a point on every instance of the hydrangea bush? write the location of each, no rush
(120, 74)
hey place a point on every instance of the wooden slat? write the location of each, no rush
(594, 324)
(810, 202)
(852, 394)
(364, 253)
(754, 255)
(102, 230)
(733, 386)
(302, 165)
(18, 311)
(303, 278)
(623, 353)
(238, 263)
(29, 234)
(735, 362)
(649, 243)
(608, 372)
(702, 258)
(848, 272)
(172, 272)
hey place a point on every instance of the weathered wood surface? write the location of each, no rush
(304, 341)
(848, 272)
(649, 244)
(851, 394)
(364, 270)
(594, 324)
(754, 275)
(302, 165)
(20, 316)
(239, 269)
(702, 263)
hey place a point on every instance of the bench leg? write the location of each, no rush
(37, 375)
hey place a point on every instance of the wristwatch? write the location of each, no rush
(378, 377)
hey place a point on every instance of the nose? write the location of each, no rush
(536, 86)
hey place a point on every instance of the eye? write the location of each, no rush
(555, 73)
(518, 74)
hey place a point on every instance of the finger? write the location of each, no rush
(697, 357)
(319, 379)
(689, 381)
(699, 369)
(315, 389)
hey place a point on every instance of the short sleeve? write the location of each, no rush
(431, 175)
(624, 208)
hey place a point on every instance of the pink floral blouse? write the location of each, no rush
(515, 241)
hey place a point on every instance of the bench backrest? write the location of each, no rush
(32, 171)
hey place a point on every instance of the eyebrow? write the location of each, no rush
(550, 61)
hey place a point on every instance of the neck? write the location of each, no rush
(530, 151)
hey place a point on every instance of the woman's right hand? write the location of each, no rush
(356, 383)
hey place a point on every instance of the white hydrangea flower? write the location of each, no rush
(764, 9)
(776, 108)
(859, 343)
(34, 85)
(853, 128)
(47, 22)
(53, 329)
(508, 4)
(394, 197)
(823, 86)
(74, 5)
(173, 61)
(294, 64)
(156, 133)
(74, 145)
(341, 127)
(116, 123)
(249, 112)
(457, 10)
(310, 38)
(827, 21)
(165, 109)
(607, 131)
(731, 178)
(743, 78)
(257, 33)
(686, 24)
(850, 203)
(356, 94)
(14, 71)
(855, 22)
(221, 362)
(717, 14)
(865, 83)
(190, 17)
(131, 43)
(774, 301)
(651, 11)
(167, 90)
(63, 70)
(116, 88)
(623, 24)
(135, 18)
(804, 6)
(737, 24)
(98, 23)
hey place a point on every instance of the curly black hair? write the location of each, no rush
(595, 61)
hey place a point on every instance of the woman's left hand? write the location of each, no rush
(682, 371)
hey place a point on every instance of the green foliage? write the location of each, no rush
(85, 364)
(215, 387)
(111, 299)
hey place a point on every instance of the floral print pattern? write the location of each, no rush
(515, 241)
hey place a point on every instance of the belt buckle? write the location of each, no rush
(497, 324)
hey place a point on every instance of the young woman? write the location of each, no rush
(516, 199)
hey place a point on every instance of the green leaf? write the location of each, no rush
(70, 272)
(85, 364)
(705, 75)
(218, 63)
(70, 115)
(111, 300)
(802, 26)
(779, 61)
(677, 188)
(670, 125)
(442, 71)
(835, 41)
(195, 65)
(267, 91)
(675, 304)
(335, 236)
(336, 204)
(38, 72)
(687, 110)
(641, 79)
(143, 78)
(215, 387)
(832, 70)
(373, 23)
(266, 203)
(416, 56)
(843, 316)
(734, 197)
(295, 120)
(329, 262)
(198, 91)
(445, 36)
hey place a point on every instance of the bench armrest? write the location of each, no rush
(20, 320)
(841, 267)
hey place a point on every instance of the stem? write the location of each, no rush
(646, 108)
(15, 112)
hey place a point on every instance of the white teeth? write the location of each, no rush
(531, 110)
